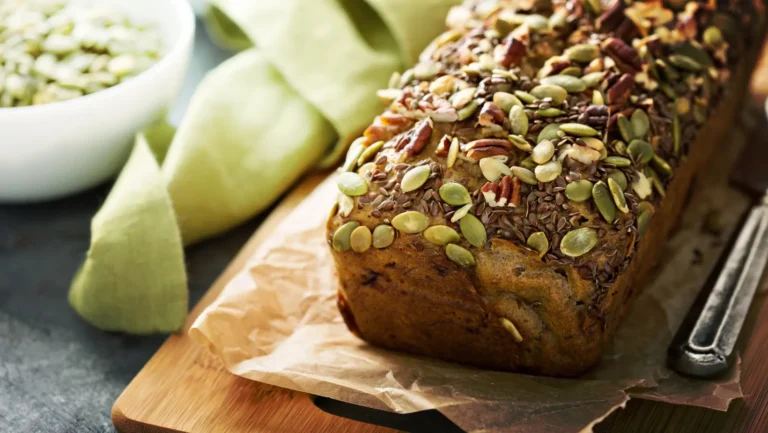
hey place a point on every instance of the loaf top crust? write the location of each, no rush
(555, 128)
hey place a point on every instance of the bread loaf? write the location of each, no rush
(505, 208)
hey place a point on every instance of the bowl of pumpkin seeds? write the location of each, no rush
(78, 79)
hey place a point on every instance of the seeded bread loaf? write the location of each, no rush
(504, 210)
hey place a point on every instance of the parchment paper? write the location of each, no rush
(277, 323)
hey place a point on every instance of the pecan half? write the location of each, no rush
(625, 56)
(479, 153)
(612, 17)
(504, 193)
(595, 115)
(443, 146)
(386, 126)
(621, 89)
(491, 114)
(490, 142)
(510, 53)
(420, 138)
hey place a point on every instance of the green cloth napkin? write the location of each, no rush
(300, 90)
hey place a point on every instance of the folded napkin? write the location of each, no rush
(302, 88)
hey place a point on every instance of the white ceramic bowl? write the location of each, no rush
(48, 151)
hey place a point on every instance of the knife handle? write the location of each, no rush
(705, 341)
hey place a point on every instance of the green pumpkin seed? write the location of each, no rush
(642, 186)
(369, 152)
(549, 132)
(512, 329)
(695, 52)
(645, 206)
(557, 20)
(596, 144)
(661, 166)
(592, 79)
(567, 82)
(528, 164)
(618, 161)
(493, 169)
(473, 230)
(341, 237)
(520, 143)
(667, 71)
(356, 149)
(537, 22)
(469, 109)
(620, 147)
(345, 204)
(352, 184)
(578, 242)
(625, 128)
(579, 191)
(463, 97)
(640, 150)
(658, 185)
(360, 239)
(597, 98)
(335, 208)
(426, 70)
(676, 135)
(643, 220)
(640, 123)
(455, 194)
(556, 93)
(453, 153)
(525, 97)
(525, 175)
(618, 195)
(543, 152)
(548, 172)
(619, 177)
(684, 62)
(579, 130)
(538, 242)
(459, 255)
(604, 201)
(582, 53)
(518, 120)
(668, 90)
(550, 112)
(410, 222)
(461, 212)
(506, 101)
(713, 36)
(441, 235)
(383, 236)
(366, 169)
(573, 71)
(415, 178)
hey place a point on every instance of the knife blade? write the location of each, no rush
(704, 344)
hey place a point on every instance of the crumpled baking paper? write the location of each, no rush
(277, 323)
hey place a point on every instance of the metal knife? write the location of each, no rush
(704, 343)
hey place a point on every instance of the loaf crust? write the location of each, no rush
(515, 305)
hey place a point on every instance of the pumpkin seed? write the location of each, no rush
(453, 152)
(695, 52)
(567, 82)
(543, 152)
(360, 239)
(604, 201)
(625, 128)
(618, 161)
(642, 222)
(676, 135)
(537, 22)
(525, 97)
(592, 79)
(619, 177)
(512, 329)
(469, 109)
(583, 154)
(550, 112)
(473, 230)
(352, 184)
(463, 97)
(524, 175)
(713, 36)
(341, 237)
(645, 206)
(493, 169)
(441, 235)
(549, 132)
(668, 90)
(578, 242)
(579, 191)
(506, 101)
(640, 150)
(426, 70)
(597, 145)
(658, 185)
(520, 143)
(642, 186)
(356, 150)
(383, 236)
(345, 204)
(556, 93)
(459, 214)
(620, 147)
(410, 222)
(618, 195)
(597, 98)
(366, 169)
(415, 178)
(573, 71)
(661, 166)
(538, 242)
(369, 152)
(682, 106)
(442, 85)
(528, 164)
(518, 120)
(596, 6)
(548, 172)
(582, 53)
(459, 255)
(640, 123)
(455, 194)
(557, 20)
(579, 130)
(684, 62)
